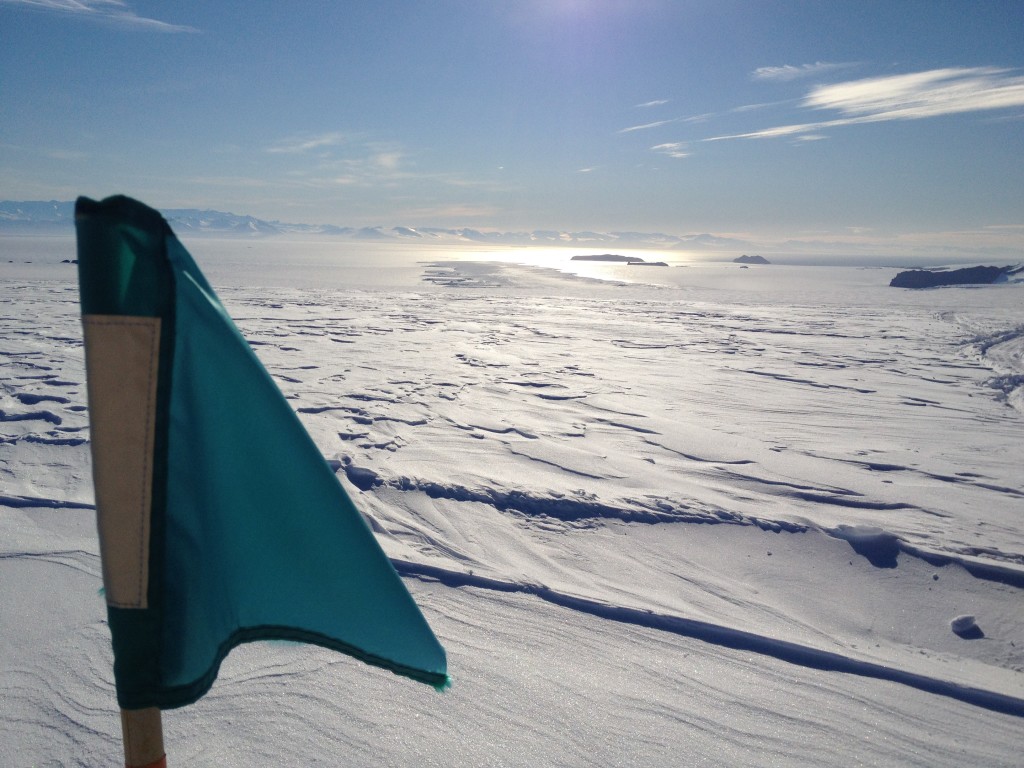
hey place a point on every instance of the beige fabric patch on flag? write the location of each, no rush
(121, 359)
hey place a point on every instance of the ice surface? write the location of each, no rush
(716, 517)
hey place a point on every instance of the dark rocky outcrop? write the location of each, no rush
(744, 259)
(615, 258)
(925, 278)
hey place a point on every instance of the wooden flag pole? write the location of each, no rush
(143, 734)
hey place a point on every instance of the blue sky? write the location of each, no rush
(840, 125)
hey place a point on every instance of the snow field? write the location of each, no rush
(652, 525)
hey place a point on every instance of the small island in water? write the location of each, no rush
(928, 278)
(615, 258)
(744, 259)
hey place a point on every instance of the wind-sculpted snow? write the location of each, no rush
(731, 638)
(1004, 351)
(569, 509)
(652, 524)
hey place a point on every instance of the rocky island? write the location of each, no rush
(927, 278)
(744, 259)
(615, 258)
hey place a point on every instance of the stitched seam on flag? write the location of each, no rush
(148, 453)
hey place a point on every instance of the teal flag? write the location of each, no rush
(220, 522)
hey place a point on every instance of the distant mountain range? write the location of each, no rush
(57, 217)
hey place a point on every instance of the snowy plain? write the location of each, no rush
(692, 515)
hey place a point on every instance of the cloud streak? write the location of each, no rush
(922, 94)
(296, 145)
(336, 159)
(913, 96)
(115, 12)
(789, 72)
(676, 149)
(646, 126)
(698, 118)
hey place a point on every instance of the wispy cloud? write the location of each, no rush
(696, 118)
(922, 94)
(780, 130)
(655, 103)
(912, 96)
(298, 144)
(789, 72)
(388, 161)
(646, 126)
(755, 107)
(675, 149)
(333, 159)
(116, 12)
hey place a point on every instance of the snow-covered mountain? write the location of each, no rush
(56, 217)
(36, 216)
